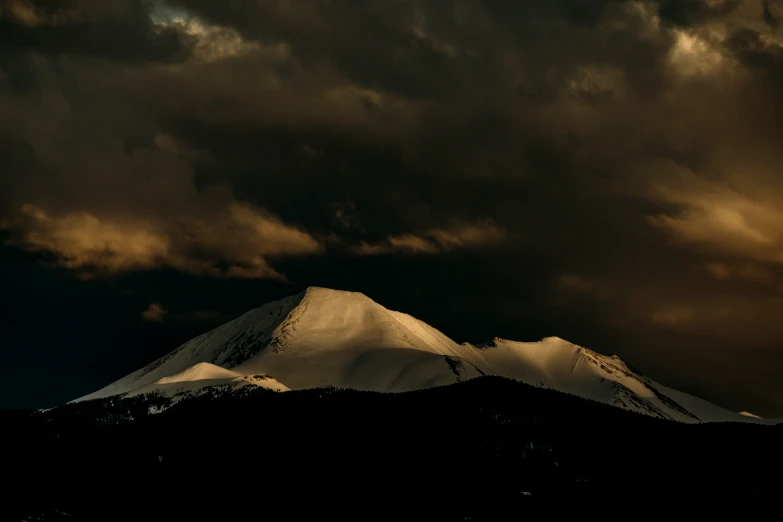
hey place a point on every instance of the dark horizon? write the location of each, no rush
(608, 172)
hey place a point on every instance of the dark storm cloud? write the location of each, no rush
(363, 40)
(694, 12)
(603, 171)
(119, 29)
(769, 17)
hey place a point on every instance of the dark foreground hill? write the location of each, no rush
(485, 449)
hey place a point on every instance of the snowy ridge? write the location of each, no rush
(557, 364)
(324, 337)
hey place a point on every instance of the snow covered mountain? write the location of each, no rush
(324, 337)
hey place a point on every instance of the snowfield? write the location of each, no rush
(324, 337)
(203, 375)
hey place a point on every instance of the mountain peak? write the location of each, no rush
(553, 340)
(323, 291)
(335, 297)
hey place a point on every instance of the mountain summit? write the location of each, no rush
(322, 337)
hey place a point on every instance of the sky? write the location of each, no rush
(609, 172)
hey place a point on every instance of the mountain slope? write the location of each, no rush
(225, 346)
(324, 337)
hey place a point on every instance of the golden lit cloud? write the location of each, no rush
(673, 316)
(270, 233)
(20, 11)
(154, 313)
(240, 239)
(693, 54)
(82, 240)
(744, 272)
(727, 222)
(592, 80)
(30, 13)
(24, 12)
(477, 234)
(575, 283)
(214, 42)
(482, 234)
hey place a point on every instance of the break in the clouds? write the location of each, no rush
(633, 145)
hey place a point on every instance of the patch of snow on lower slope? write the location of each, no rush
(205, 375)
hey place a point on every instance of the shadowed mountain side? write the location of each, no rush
(465, 450)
